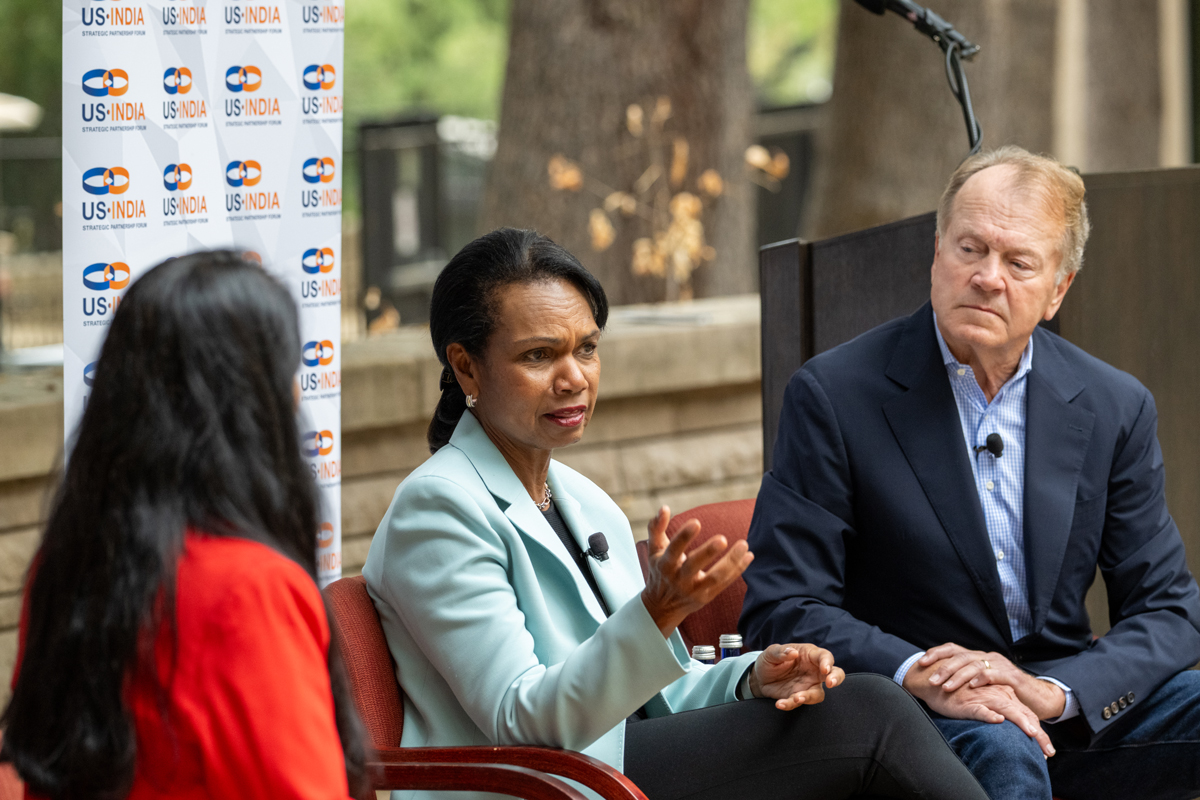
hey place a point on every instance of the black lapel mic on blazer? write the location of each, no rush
(597, 547)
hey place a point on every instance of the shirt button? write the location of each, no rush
(999, 555)
(961, 371)
(990, 485)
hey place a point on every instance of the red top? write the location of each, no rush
(251, 706)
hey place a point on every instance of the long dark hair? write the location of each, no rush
(190, 423)
(463, 309)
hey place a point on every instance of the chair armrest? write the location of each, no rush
(601, 778)
(496, 778)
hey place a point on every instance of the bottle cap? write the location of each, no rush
(730, 641)
(704, 652)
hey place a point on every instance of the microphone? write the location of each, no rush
(995, 446)
(926, 22)
(598, 546)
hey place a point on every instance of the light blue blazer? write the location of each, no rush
(497, 637)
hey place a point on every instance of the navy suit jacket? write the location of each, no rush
(869, 537)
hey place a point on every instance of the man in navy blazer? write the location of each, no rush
(944, 487)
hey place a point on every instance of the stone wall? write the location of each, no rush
(678, 422)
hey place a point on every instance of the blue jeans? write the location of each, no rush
(1152, 755)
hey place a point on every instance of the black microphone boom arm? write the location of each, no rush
(956, 47)
(934, 27)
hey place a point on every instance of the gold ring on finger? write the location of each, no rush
(987, 664)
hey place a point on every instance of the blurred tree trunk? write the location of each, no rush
(1123, 90)
(894, 133)
(574, 67)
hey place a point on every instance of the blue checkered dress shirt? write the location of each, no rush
(1000, 483)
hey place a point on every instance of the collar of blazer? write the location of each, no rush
(924, 419)
(519, 508)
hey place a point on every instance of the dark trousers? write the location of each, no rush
(869, 738)
(1152, 754)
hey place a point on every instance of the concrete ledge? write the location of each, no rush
(31, 415)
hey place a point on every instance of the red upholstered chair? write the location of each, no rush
(518, 771)
(730, 519)
(11, 787)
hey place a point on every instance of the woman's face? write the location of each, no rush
(536, 383)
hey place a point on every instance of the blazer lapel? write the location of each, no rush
(925, 423)
(612, 578)
(1057, 435)
(514, 501)
(615, 583)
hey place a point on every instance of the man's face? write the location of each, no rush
(994, 266)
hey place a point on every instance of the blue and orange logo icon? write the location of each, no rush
(89, 374)
(317, 260)
(243, 173)
(177, 177)
(319, 76)
(243, 79)
(106, 82)
(318, 170)
(112, 276)
(317, 443)
(177, 80)
(106, 180)
(325, 534)
(317, 354)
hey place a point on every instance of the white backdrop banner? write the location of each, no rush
(195, 124)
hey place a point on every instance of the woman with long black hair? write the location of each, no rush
(173, 639)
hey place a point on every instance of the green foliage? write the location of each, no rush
(445, 56)
(31, 57)
(790, 50)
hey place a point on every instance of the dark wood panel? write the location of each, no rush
(816, 296)
(1136, 305)
(784, 286)
(866, 278)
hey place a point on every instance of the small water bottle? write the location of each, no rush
(731, 645)
(704, 653)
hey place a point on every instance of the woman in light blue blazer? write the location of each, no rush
(508, 626)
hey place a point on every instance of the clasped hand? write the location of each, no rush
(971, 684)
(794, 675)
(681, 582)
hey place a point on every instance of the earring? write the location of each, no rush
(471, 401)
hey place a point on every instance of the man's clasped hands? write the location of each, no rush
(971, 684)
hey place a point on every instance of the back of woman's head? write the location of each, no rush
(192, 400)
(463, 307)
(190, 423)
